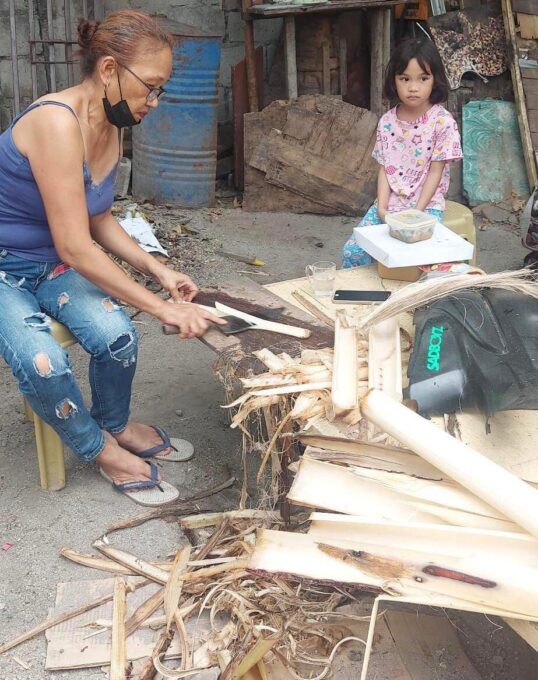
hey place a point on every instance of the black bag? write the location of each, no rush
(475, 350)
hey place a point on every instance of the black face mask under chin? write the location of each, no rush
(119, 114)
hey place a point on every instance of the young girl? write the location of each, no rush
(416, 141)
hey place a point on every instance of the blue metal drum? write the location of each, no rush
(175, 147)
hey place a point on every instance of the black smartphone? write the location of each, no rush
(360, 297)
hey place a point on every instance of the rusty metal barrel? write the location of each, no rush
(175, 147)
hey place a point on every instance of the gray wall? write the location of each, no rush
(222, 16)
(7, 107)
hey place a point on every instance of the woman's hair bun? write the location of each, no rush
(86, 30)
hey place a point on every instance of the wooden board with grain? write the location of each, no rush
(260, 196)
(525, 6)
(247, 296)
(320, 152)
(240, 106)
(529, 73)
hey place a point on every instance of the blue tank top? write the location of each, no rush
(24, 229)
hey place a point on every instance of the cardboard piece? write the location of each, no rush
(443, 246)
(69, 645)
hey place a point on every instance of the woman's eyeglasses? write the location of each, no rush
(154, 93)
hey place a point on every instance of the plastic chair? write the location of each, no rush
(50, 448)
(460, 220)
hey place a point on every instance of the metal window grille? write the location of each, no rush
(42, 50)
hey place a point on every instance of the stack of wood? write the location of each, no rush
(432, 529)
(312, 154)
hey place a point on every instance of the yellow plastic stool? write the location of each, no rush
(50, 448)
(460, 220)
(457, 218)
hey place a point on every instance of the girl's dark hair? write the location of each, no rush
(425, 52)
(124, 35)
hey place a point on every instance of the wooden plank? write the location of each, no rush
(529, 73)
(267, 11)
(344, 132)
(259, 194)
(528, 630)
(326, 68)
(533, 120)
(290, 57)
(250, 59)
(376, 60)
(323, 153)
(334, 129)
(531, 96)
(421, 640)
(342, 65)
(526, 6)
(525, 130)
(247, 296)
(528, 26)
(385, 662)
(240, 106)
(387, 31)
(317, 177)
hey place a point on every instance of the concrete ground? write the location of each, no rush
(174, 377)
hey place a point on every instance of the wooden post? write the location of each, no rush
(326, 67)
(376, 60)
(342, 65)
(524, 128)
(250, 59)
(387, 31)
(291, 57)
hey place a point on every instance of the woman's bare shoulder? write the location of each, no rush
(53, 117)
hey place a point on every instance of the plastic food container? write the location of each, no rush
(411, 226)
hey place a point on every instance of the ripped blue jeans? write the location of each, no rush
(31, 293)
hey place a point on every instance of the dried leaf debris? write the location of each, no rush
(248, 612)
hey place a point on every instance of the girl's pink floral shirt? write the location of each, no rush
(407, 149)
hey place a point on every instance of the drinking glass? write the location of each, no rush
(321, 276)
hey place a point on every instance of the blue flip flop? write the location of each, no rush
(149, 492)
(182, 450)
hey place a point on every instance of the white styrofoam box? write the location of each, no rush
(443, 246)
